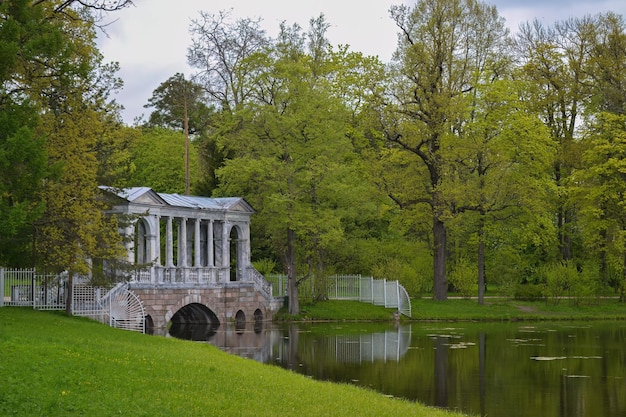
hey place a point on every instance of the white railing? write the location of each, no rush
(260, 283)
(180, 275)
(390, 294)
(26, 288)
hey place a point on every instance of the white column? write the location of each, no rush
(196, 241)
(182, 243)
(157, 240)
(209, 244)
(129, 232)
(225, 246)
(169, 244)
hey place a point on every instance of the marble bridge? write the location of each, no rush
(192, 259)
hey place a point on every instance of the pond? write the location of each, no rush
(564, 369)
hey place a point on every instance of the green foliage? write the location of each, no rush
(158, 156)
(463, 277)
(558, 278)
(528, 292)
(265, 266)
(415, 277)
(566, 279)
(56, 126)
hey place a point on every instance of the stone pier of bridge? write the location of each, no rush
(192, 304)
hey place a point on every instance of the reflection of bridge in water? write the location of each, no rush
(269, 344)
(390, 345)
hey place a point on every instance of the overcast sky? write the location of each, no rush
(150, 40)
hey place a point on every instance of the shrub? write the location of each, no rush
(410, 277)
(463, 277)
(529, 292)
(265, 266)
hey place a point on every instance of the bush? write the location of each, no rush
(265, 266)
(411, 278)
(464, 278)
(566, 279)
(529, 292)
(587, 286)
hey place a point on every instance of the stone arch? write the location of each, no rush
(240, 321)
(195, 313)
(194, 321)
(142, 242)
(148, 324)
(258, 320)
(258, 315)
(236, 255)
(185, 301)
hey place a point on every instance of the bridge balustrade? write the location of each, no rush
(197, 275)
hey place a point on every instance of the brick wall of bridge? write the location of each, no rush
(162, 302)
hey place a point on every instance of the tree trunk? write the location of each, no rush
(481, 272)
(481, 261)
(292, 287)
(622, 285)
(69, 293)
(186, 131)
(440, 285)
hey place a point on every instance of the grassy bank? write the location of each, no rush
(494, 309)
(53, 365)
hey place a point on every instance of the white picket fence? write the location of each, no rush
(117, 307)
(382, 292)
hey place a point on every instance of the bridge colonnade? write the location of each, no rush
(191, 257)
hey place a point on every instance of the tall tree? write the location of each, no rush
(501, 160)
(220, 49)
(158, 159)
(72, 90)
(441, 46)
(24, 36)
(177, 101)
(601, 188)
(292, 157)
(609, 65)
(556, 62)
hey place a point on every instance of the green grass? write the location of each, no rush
(504, 309)
(494, 309)
(54, 365)
(335, 310)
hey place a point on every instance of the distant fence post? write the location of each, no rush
(1, 287)
(33, 288)
(385, 291)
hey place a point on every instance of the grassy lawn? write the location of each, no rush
(335, 310)
(54, 365)
(494, 309)
(505, 309)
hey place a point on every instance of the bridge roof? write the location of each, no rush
(146, 195)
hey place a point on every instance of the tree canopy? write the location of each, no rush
(474, 156)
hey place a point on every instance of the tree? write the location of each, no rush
(501, 165)
(292, 159)
(176, 102)
(72, 89)
(441, 47)
(556, 62)
(158, 160)
(220, 50)
(609, 65)
(601, 189)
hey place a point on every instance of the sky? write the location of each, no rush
(150, 39)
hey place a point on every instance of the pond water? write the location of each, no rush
(564, 369)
